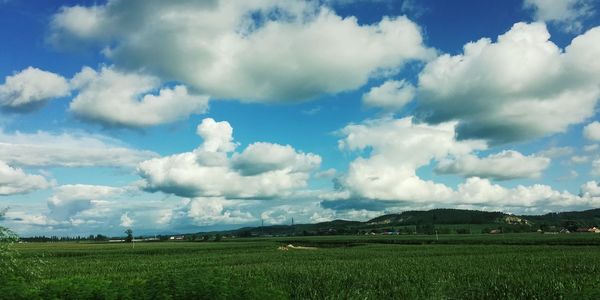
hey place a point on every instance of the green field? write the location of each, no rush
(517, 266)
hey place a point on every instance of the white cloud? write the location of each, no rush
(260, 171)
(209, 211)
(91, 209)
(329, 173)
(596, 167)
(76, 149)
(590, 189)
(592, 131)
(31, 88)
(572, 174)
(391, 95)
(590, 148)
(313, 212)
(116, 98)
(126, 221)
(505, 165)
(165, 216)
(399, 148)
(580, 159)
(482, 192)
(520, 87)
(260, 158)
(567, 14)
(69, 201)
(388, 172)
(249, 50)
(216, 136)
(16, 181)
(554, 152)
(283, 214)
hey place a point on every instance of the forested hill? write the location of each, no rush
(585, 218)
(443, 220)
(440, 216)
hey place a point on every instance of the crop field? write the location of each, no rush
(519, 266)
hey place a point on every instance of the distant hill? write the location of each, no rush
(583, 218)
(436, 220)
(440, 216)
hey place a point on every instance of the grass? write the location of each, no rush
(518, 266)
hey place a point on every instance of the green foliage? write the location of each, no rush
(8, 262)
(129, 237)
(440, 216)
(15, 274)
(9, 267)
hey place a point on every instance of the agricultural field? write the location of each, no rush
(508, 266)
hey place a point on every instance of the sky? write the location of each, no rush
(185, 116)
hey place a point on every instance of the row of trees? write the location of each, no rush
(91, 237)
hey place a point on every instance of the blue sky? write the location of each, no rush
(200, 115)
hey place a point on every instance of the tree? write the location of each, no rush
(218, 237)
(129, 234)
(100, 237)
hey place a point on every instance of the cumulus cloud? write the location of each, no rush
(260, 158)
(399, 147)
(262, 170)
(567, 14)
(249, 50)
(116, 98)
(216, 136)
(506, 165)
(209, 211)
(590, 189)
(482, 192)
(391, 95)
(31, 88)
(520, 87)
(16, 181)
(75, 149)
(592, 131)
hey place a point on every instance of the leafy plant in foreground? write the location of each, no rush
(14, 274)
